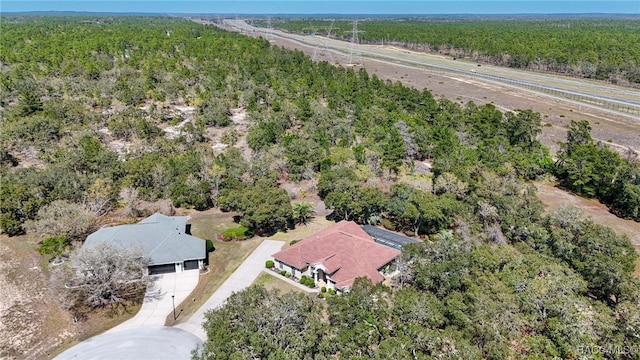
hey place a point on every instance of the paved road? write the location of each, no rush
(604, 96)
(144, 336)
(140, 343)
(246, 274)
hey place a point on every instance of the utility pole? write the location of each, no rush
(173, 301)
(269, 29)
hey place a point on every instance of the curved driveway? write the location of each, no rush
(145, 337)
(158, 301)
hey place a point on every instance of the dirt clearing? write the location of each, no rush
(553, 197)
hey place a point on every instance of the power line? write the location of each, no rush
(354, 57)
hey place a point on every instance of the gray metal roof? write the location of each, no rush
(388, 238)
(162, 238)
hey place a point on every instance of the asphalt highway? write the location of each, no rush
(597, 94)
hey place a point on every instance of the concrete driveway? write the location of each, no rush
(158, 302)
(246, 274)
(144, 336)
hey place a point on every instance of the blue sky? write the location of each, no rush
(331, 6)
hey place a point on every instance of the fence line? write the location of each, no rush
(631, 107)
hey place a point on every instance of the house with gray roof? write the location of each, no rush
(165, 240)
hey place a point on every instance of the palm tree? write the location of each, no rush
(302, 212)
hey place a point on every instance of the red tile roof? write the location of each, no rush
(344, 249)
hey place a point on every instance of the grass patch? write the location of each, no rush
(208, 225)
(303, 231)
(271, 282)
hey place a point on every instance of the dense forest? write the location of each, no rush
(99, 112)
(604, 49)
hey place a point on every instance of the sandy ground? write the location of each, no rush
(553, 197)
(28, 310)
(620, 131)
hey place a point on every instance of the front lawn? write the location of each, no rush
(223, 261)
(271, 282)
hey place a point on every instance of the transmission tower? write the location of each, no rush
(354, 57)
(269, 29)
(312, 30)
(330, 28)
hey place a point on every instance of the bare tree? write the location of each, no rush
(631, 155)
(566, 217)
(99, 276)
(449, 183)
(495, 235)
(129, 198)
(159, 177)
(63, 219)
(488, 214)
(100, 196)
(404, 271)
(405, 132)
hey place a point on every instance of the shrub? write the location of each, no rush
(268, 264)
(332, 292)
(209, 245)
(287, 274)
(54, 245)
(283, 273)
(237, 233)
(294, 241)
(323, 289)
(305, 280)
(388, 224)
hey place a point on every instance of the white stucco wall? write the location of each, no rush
(295, 272)
(331, 284)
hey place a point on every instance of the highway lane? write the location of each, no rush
(613, 98)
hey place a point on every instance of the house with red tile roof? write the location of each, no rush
(336, 256)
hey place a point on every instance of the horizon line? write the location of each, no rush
(173, 13)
